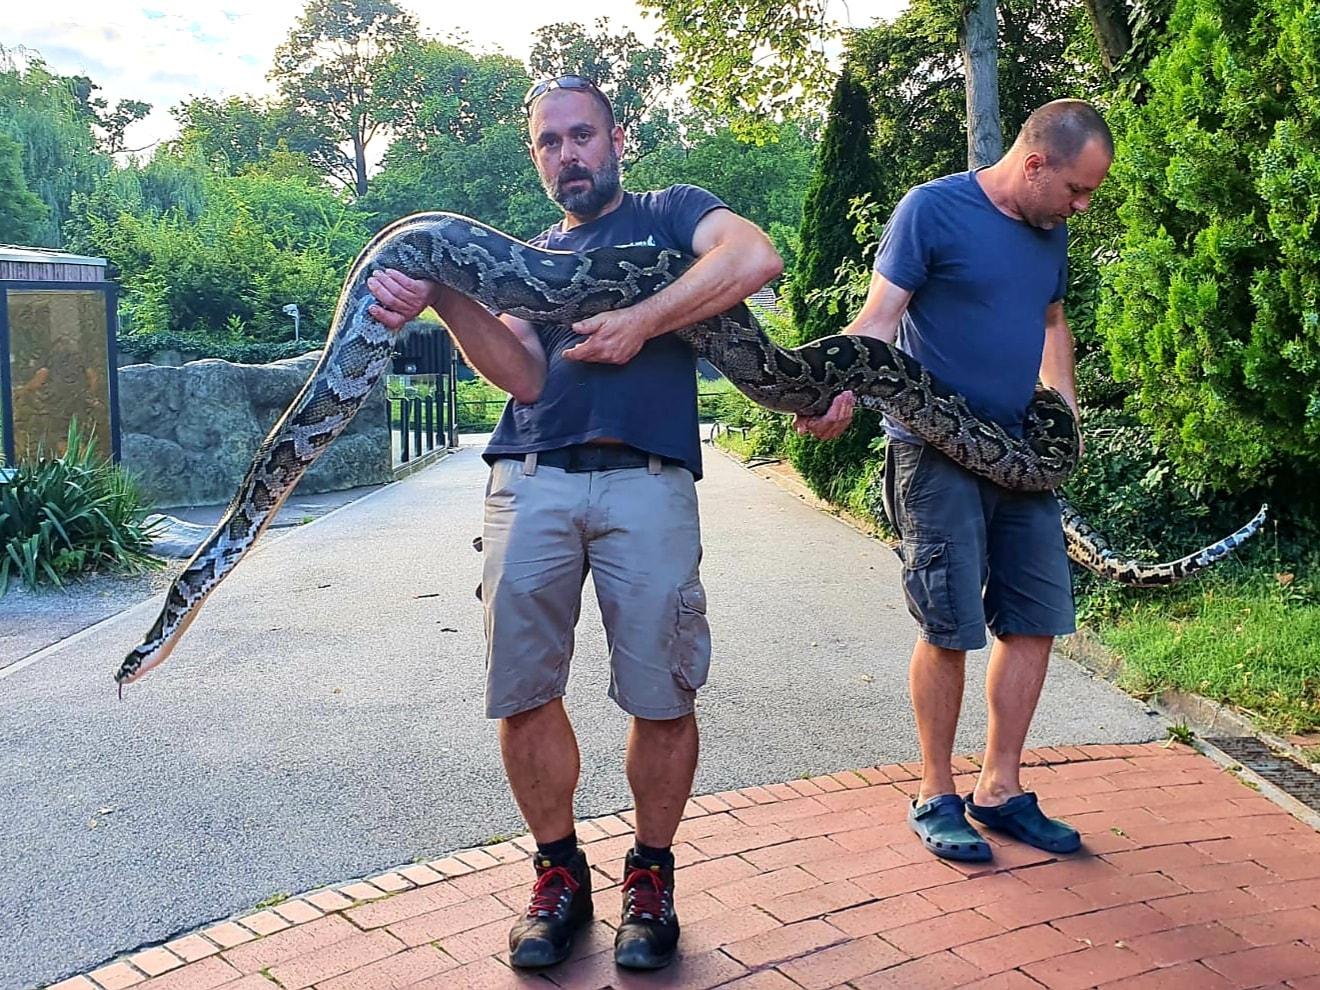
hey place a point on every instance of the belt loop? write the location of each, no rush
(653, 464)
(529, 465)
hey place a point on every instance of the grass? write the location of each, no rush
(735, 443)
(1244, 646)
(1181, 732)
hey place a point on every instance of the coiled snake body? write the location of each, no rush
(509, 276)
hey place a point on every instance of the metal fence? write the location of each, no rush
(423, 417)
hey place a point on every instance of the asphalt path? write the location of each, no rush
(321, 720)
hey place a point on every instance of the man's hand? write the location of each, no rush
(400, 298)
(612, 338)
(832, 423)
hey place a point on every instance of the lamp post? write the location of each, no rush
(292, 310)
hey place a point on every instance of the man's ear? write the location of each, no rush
(1033, 164)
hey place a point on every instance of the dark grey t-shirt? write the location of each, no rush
(650, 402)
(980, 284)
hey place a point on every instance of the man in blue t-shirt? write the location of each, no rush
(969, 279)
(592, 466)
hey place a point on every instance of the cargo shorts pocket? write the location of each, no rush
(926, 584)
(691, 656)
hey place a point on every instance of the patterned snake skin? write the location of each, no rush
(509, 276)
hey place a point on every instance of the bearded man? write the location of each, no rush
(593, 466)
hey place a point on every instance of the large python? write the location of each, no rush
(509, 276)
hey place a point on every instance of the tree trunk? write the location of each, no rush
(360, 165)
(979, 40)
(1109, 18)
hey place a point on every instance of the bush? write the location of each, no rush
(64, 516)
(208, 262)
(480, 405)
(230, 345)
(1146, 508)
(1213, 309)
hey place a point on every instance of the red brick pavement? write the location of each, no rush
(1188, 879)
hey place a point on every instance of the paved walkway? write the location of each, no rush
(322, 719)
(1188, 879)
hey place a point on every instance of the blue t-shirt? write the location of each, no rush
(649, 403)
(980, 282)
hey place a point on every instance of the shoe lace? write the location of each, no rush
(646, 896)
(551, 891)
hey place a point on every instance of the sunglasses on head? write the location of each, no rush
(581, 83)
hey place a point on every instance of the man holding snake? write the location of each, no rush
(593, 467)
(969, 279)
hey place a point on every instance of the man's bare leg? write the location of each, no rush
(935, 678)
(1012, 689)
(662, 759)
(541, 759)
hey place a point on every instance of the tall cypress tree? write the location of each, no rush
(836, 469)
(845, 170)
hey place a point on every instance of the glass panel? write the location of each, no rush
(58, 367)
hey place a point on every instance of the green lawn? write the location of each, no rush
(1251, 648)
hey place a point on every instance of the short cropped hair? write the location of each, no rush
(1061, 129)
(570, 81)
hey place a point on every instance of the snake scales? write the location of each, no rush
(561, 287)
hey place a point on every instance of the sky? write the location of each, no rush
(164, 51)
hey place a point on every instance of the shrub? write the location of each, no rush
(1213, 308)
(479, 405)
(64, 516)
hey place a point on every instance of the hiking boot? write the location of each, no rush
(648, 934)
(560, 905)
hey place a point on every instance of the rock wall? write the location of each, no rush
(189, 433)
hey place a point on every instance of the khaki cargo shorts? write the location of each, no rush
(637, 531)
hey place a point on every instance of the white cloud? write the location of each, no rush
(163, 51)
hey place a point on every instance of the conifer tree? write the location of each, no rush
(845, 170)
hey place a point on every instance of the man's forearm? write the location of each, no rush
(491, 348)
(720, 279)
(880, 314)
(1058, 366)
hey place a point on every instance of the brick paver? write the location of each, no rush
(1187, 879)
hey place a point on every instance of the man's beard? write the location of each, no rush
(590, 201)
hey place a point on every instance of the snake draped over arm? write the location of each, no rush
(509, 276)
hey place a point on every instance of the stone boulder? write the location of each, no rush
(189, 433)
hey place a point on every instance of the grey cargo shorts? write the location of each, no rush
(637, 529)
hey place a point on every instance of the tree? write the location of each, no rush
(431, 91)
(328, 67)
(1113, 33)
(111, 123)
(239, 133)
(845, 172)
(750, 57)
(636, 77)
(1211, 308)
(752, 60)
(763, 182)
(978, 37)
(59, 150)
(492, 180)
(22, 213)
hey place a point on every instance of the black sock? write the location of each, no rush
(560, 851)
(659, 855)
